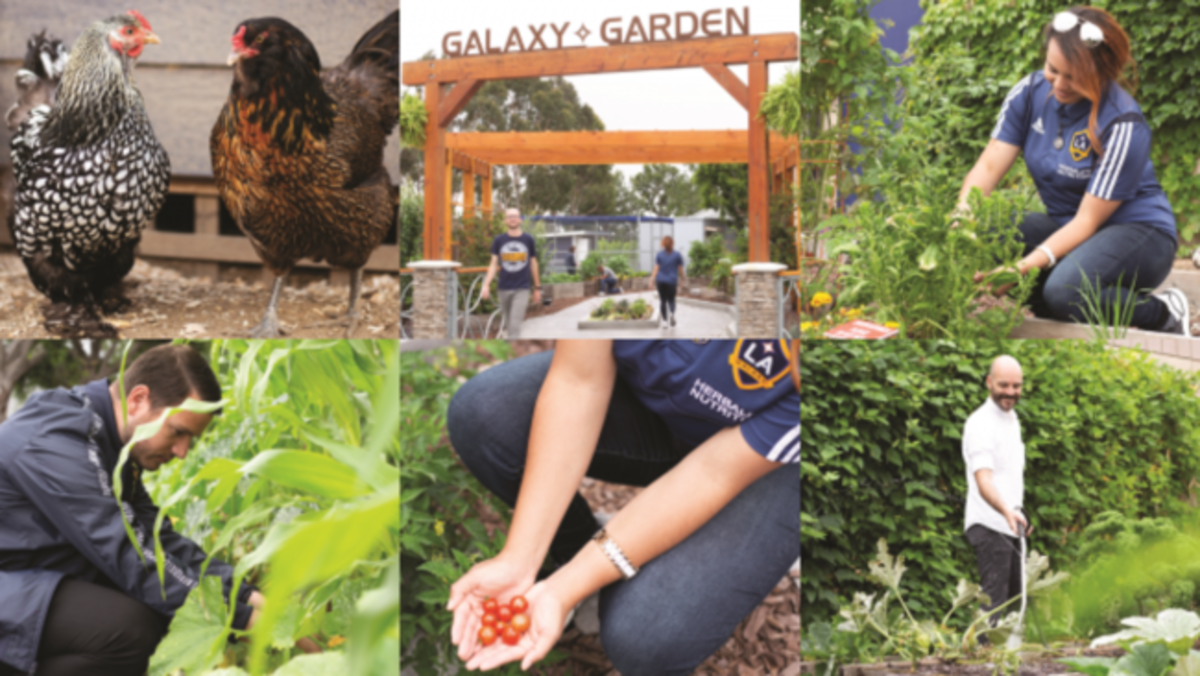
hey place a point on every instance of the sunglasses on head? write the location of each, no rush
(1089, 33)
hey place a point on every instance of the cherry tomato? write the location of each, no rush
(518, 604)
(487, 635)
(490, 605)
(520, 622)
(511, 636)
(500, 627)
(505, 613)
(489, 619)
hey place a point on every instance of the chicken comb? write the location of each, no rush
(238, 39)
(141, 19)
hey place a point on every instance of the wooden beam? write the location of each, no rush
(758, 220)
(487, 194)
(596, 147)
(461, 161)
(730, 81)
(468, 183)
(457, 99)
(449, 236)
(436, 228)
(622, 58)
(481, 168)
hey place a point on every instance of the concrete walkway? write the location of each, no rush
(695, 319)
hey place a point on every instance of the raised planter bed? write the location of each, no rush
(1038, 663)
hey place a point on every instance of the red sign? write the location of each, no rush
(713, 23)
(861, 329)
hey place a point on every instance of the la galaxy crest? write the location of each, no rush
(1081, 146)
(759, 364)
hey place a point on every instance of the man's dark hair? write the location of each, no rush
(172, 373)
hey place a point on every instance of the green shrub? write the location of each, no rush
(882, 425)
(590, 268)
(704, 255)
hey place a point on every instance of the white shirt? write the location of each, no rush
(992, 440)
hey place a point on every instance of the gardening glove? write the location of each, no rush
(547, 615)
(497, 578)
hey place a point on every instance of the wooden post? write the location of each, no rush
(436, 229)
(487, 195)
(449, 237)
(759, 161)
(469, 191)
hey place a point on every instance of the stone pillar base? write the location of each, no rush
(435, 299)
(758, 299)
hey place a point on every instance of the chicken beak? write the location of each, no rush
(234, 57)
(152, 39)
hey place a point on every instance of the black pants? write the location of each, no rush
(999, 559)
(666, 296)
(95, 631)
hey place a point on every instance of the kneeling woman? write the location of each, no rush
(712, 430)
(1087, 146)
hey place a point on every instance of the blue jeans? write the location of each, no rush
(1120, 258)
(682, 606)
(610, 285)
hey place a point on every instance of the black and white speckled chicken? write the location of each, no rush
(298, 154)
(89, 170)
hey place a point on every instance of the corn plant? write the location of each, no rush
(296, 484)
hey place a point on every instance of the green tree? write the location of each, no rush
(545, 104)
(664, 190)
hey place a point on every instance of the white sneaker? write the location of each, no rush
(1177, 305)
(672, 319)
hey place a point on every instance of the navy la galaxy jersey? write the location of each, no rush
(701, 387)
(1064, 170)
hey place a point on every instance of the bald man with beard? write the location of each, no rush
(995, 458)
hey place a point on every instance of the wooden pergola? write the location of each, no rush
(450, 84)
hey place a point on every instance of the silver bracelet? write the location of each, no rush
(614, 553)
(1049, 254)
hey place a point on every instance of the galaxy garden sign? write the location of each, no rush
(714, 23)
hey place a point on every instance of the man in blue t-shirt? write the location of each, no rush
(514, 254)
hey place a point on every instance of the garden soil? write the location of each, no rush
(166, 304)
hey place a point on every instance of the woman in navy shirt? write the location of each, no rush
(668, 269)
(1087, 147)
(710, 428)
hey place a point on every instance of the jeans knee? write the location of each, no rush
(631, 651)
(462, 420)
(1062, 299)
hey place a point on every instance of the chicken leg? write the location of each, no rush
(269, 326)
(355, 289)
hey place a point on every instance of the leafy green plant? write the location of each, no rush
(413, 118)
(296, 484)
(622, 310)
(1157, 646)
(1107, 321)
(915, 263)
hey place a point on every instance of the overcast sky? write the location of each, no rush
(678, 99)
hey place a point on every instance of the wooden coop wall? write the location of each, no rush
(185, 81)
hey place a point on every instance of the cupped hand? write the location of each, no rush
(547, 614)
(1001, 289)
(497, 578)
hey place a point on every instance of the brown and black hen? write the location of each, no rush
(298, 154)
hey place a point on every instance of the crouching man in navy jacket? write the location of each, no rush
(75, 597)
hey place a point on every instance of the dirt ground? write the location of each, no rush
(1032, 664)
(166, 304)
